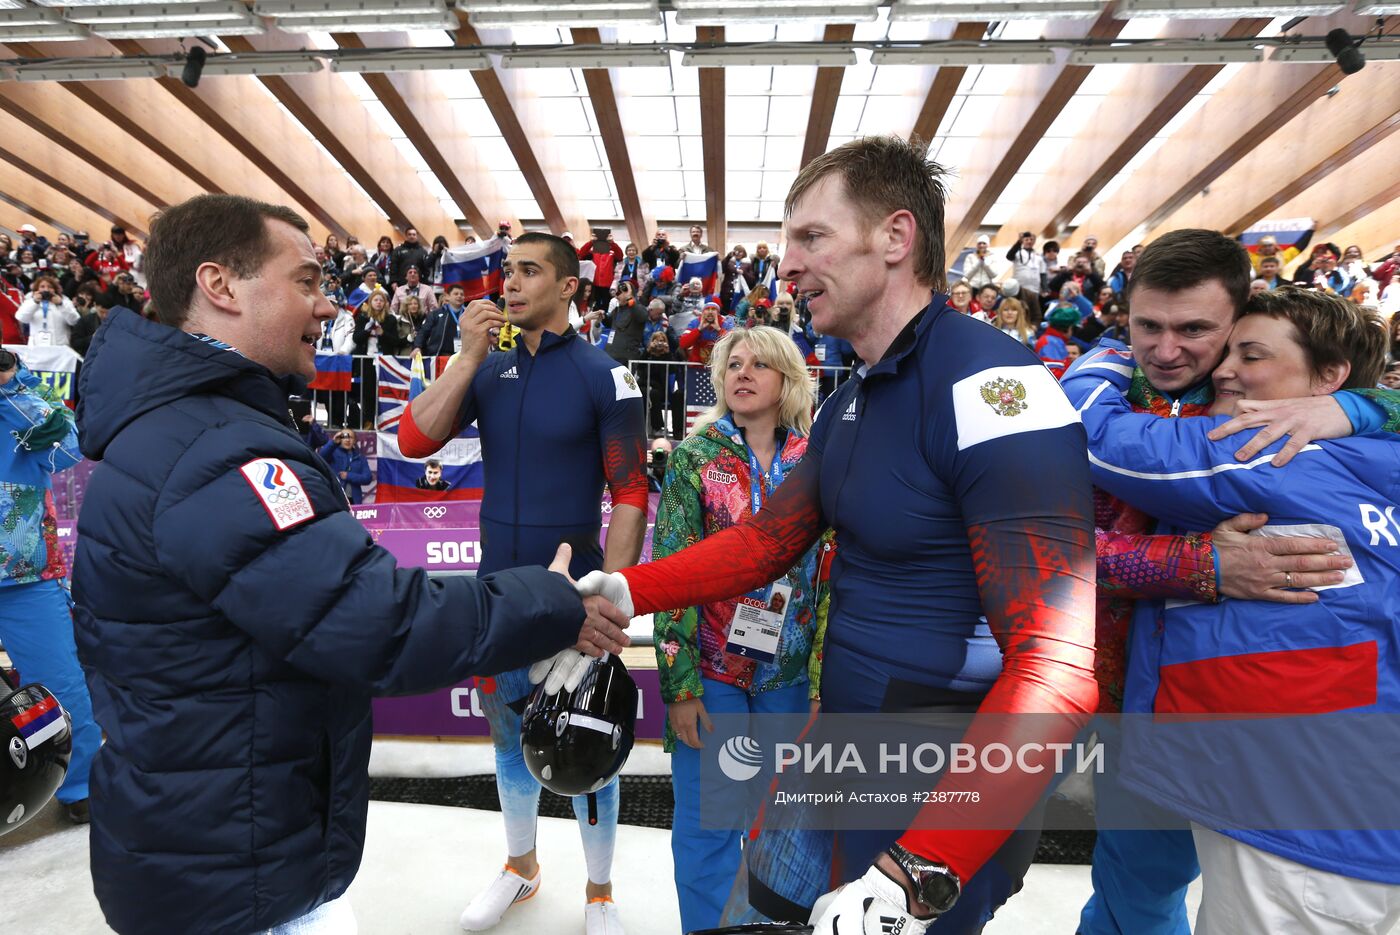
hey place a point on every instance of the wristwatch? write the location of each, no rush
(937, 886)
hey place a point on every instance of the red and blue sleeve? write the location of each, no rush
(623, 432)
(742, 557)
(1033, 555)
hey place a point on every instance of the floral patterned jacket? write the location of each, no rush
(39, 439)
(707, 490)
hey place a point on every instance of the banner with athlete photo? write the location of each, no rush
(402, 479)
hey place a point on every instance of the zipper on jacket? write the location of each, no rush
(855, 441)
(520, 430)
(1176, 408)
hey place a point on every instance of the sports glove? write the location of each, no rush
(611, 587)
(562, 670)
(873, 905)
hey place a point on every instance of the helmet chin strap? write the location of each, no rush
(592, 808)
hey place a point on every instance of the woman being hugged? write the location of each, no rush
(733, 460)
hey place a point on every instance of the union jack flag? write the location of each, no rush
(399, 381)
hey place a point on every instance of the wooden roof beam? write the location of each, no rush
(1329, 134)
(1236, 120)
(1146, 99)
(1343, 199)
(945, 84)
(714, 141)
(546, 179)
(600, 92)
(112, 111)
(1371, 225)
(325, 105)
(394, 92)
(826, 91)
(42, 204)
(255, 127)
(1055, 85)
(29, 151)
(73, 128)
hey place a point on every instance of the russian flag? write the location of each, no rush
(355, 299)
(40, 722)
(332, 373)
(1291, 234)
(704, 265)
(476, 267)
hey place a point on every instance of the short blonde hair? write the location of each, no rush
(774, 348)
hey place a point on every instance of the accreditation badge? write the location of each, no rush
(758, 623)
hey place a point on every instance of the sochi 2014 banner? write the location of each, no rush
(703, 265)
(55, 365)
(400, 379)
(476, 267)
(1291, 234)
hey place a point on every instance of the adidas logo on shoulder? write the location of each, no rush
(850, 413)
(510, 374)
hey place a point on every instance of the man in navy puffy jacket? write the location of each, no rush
(233, 618)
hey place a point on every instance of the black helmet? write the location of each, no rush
(37, 736)
(576, 742)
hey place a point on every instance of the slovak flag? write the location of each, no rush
(477, 267)
(704, 265)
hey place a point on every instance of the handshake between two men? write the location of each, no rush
(608, 607)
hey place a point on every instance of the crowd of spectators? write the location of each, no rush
(636, 305)
(1060, 304)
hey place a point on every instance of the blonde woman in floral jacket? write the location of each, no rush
(769, 661)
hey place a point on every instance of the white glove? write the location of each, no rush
(872, 905)
(562, 670)
(611, 587)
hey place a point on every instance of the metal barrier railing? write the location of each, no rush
(673, 393)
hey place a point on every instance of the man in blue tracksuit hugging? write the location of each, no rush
(1333, 649)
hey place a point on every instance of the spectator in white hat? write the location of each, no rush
(981, 269)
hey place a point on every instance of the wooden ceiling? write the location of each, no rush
(1276, 140)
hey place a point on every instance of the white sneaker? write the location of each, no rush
(491, 903)
(600, 917)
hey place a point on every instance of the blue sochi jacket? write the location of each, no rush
(233, 620)
(1340, 654)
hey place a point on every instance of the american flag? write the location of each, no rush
(699, 394)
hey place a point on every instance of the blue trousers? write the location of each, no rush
(36, 626)
(707, 860)
(519, 793)
(1139, 876)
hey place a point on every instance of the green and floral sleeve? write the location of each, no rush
(1389, 400)
(679, 523)
(826, 553)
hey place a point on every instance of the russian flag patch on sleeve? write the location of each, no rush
(280, 491)
(1004, 401)
(40, 722)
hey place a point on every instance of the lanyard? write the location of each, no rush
(756, 477)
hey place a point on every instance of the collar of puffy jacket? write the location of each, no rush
(135, 365)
